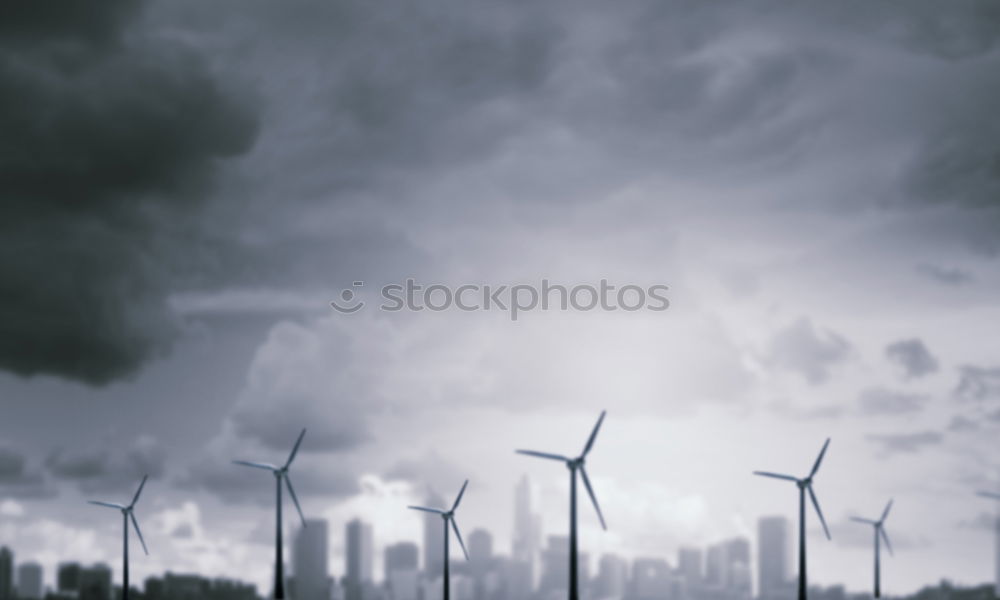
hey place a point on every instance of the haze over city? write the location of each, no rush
(186, 186)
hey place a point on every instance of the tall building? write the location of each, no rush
(401, 557)
(772, 557)
(689, 566)
(403, 584)
(651, 579)
(95, 582)
(738, 579)
(68, 578)
(716, 565)
(612, 575)
(526, 539)
(178, 586)
(527, 525)
(402, 571)
(555, 566)
(29, 581)
(359, 553)
(517, 581)
(310, 556)
(481, 564)
(433, 537)
(480, 550)
(6, 573)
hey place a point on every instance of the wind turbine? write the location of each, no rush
(575, 465)
(880, 534)
(280, 474)
(127, 514)
(805, 485)
(995, 496)
(448, 516)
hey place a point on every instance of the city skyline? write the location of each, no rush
(713, 568)
(767, 572)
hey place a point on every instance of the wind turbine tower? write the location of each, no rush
(280, 475)
(128, 514)
(575, 465)
(805, 485)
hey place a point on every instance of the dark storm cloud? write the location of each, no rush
(905, 443)
(108, 468)
(429, 471)
(183, 531)
(969, 29)
(234, 483)
(913, 356)
(795, 411)
(959, 424)
(18, 479)
(110, 142)
(804, 350)
(276, 423)
(946, 275)
(979, 384)
(882, 401)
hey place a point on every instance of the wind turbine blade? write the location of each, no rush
(593, 434)
(255, 465)
(139, 491)
(295, 499)
(108, 504)
(460, 494)
(295, 449)
(425, 509)
(819, 459)
(775, 475)
(138, 532)
(812, 496)
(543, 455)
(865, 521)
(989, 495)
(458, 534)
(593, 498)
(885, 513)
(885, 537)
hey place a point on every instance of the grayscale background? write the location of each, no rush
(185, 185)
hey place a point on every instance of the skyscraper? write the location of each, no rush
(481, 562)
(612, 574)
(433, 537)
(6, 573)
(716, 566)
(555, 566)
(525, 542)
(480, 550)
(689, 565)
(95, 582)
(358, 558)
(310, 555)
(402, 571)
(400, 557)
(68, 578)
(527, 530)
(650, 579)
(772, 557)
(738, 579)
(29, 581)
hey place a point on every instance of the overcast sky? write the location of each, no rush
(186, 185)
